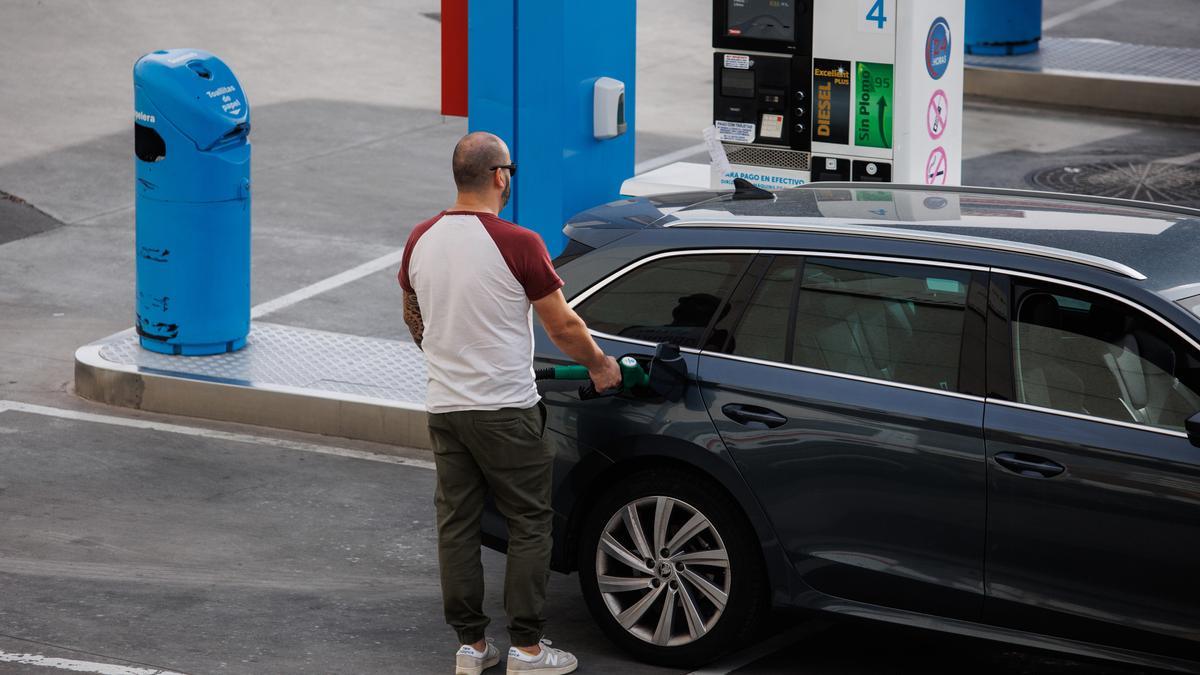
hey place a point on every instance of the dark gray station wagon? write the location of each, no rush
(961, 409)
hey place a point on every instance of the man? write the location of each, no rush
(469, 280)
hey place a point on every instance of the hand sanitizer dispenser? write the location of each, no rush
(608, 108)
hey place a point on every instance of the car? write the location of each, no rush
(970, 410)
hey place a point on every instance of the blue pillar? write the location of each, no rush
(532, 68)
(1003, 27)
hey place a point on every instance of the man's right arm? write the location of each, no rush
(569, 333)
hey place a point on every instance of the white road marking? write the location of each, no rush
(1182, 160)
(214, 434)
(328, 284)
(80, 666)
(391, 259)
(669, 158)
(755, 652)
(1082, 10)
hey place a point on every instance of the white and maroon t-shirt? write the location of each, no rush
(475, 276)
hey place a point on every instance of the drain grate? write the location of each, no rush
(1152, 182)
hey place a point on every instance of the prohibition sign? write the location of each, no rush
(935, 167)
(938, 114)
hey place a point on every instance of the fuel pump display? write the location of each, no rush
(763, 19)
(834, 90)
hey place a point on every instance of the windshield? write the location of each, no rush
(1191, 304)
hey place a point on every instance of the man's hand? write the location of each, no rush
(569, 333)
(607, 376)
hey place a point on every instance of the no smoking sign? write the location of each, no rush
(936, 167)
(938, 114)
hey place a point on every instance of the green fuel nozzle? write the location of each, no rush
(632, 375)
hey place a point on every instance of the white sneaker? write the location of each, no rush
(550, 661)
(471, 661)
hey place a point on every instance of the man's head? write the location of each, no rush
(475, 162)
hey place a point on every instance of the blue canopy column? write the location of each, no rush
(1003, 27)
(533, 67)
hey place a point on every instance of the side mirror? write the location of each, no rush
(668, 373)
(1193, 429)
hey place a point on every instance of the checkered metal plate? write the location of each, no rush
(1101, 56)
(301, 358)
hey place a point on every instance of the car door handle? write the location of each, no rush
(749, 414)
(1029, 465)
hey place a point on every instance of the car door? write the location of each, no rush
(669, 297)
(1094, 488)
(849, 391)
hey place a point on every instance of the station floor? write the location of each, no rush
(135, 543)
(246, 550)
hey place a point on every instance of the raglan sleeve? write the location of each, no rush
(405, 282)
(533, 268)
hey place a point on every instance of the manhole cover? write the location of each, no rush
(1151, 182)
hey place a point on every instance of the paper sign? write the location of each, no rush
(772, 126)
(735, 132)
(737, 61)
(716, 151)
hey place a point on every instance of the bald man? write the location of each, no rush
(470, 280)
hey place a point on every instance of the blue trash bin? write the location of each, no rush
(1003, 27)
(192, 153)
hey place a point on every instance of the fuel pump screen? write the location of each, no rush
(762, 19)
(738, 83)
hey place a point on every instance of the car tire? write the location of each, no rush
(702, 526)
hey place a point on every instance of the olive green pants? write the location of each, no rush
(503, 450)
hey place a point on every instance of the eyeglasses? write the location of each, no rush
(512, 168)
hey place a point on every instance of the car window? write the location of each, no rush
(1082, 353)
(763, 331)
(1191, 304)
(667, 300)
(889, 321)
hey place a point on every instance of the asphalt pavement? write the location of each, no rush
(139, 542)
(152, 545)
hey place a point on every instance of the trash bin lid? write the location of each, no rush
(197, 94)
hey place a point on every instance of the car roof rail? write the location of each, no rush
(921, 236)
(1048, 195)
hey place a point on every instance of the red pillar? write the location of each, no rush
(454, 57)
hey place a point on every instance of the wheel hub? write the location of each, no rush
(663, 571)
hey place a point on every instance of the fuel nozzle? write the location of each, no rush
(632, 375)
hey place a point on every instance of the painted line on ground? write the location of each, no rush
(669, 158)
(261, 169)
(328, 284)
(767, 647)
(77, 415)
(1072, 14)
(1182, 160)
(79, 666)
(393, 259)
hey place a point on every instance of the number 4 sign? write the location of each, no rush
(875, 16)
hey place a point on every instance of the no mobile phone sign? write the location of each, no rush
(938, 114)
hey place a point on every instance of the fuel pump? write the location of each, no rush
(838, 90)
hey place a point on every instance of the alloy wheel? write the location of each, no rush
(663, 571)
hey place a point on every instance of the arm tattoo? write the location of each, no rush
(412, 317)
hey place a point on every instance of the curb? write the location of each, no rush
(343, 416)
(1097, 91)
